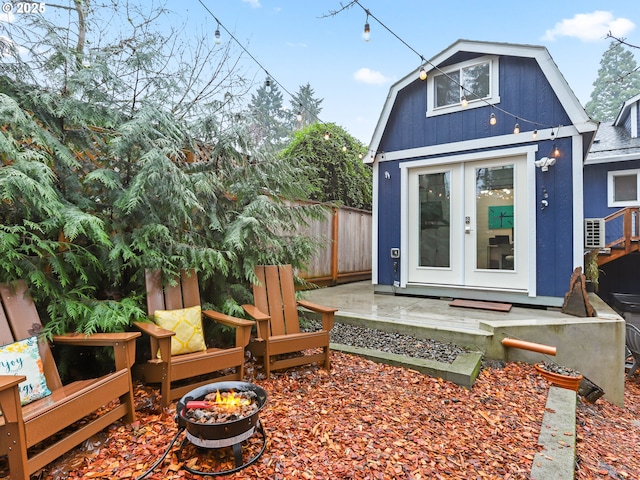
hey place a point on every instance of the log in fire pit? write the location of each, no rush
(222, 414)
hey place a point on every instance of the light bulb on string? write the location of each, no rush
(326, 135)
(344, 148)
(556, 151)
(267, 84)
(422, 74)
(217, 34)
(516, 128)
(464, 102)
(534, 135)
(492, 119)
(367, 29)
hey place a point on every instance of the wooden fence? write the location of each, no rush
(346, 256)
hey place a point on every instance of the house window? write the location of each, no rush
(474, 81)
(623, 188)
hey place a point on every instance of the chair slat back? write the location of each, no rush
(633, 339)
(185, 293)
(275, 295)
(24, 321)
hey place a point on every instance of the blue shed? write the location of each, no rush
(478, 178)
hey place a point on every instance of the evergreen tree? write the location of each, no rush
(270, 123)
(333, 165)
(618, 80)
(306, 106)
(105, 174)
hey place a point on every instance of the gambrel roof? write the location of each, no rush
(575, 111)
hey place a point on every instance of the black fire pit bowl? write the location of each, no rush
(220, 434)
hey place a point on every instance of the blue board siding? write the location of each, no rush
(523, 89)
(388, 221)
(595, 187)
(554, 227)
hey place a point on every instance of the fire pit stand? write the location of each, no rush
(221, 435)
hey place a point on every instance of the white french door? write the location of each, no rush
(467, 224)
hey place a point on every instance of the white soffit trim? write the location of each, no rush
(479, 144)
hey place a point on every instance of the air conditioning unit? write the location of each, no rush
(594, 236)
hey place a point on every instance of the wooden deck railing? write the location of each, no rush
(629, 239)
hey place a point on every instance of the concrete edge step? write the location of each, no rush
(463, 371)
(556, 460)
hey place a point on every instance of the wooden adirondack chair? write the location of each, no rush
(168, 369)
(22, 427)
(276, 311)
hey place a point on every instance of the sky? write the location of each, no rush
(305, 41)
(300, 41)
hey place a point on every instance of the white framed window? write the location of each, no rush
(623, 188)
(465, 85)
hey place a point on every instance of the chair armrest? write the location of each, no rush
(255, 313)
(328, 313)
(261, 318)
(96, 339)
(153, 330)
(123, 344)
(227, 319)
(8, 381)
(316, 308)
(242, 327)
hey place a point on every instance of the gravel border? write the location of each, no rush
(398, 343)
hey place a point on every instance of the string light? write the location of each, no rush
(326, 135)
(268, 79)
(556, 151)
(367, 29)
(516, 128)
(422, 75)
(217, 34)
(463, 101)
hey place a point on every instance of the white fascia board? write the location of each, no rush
(578, 202)
(482, 143)
(624, 110)
(613, 159)
(374, 225)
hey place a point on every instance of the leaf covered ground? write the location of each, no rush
(371, 421)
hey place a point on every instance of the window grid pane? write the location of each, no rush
(625, 188)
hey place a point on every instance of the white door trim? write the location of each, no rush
(529, 151)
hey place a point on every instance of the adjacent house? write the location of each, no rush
(612, 201)
(478, 177)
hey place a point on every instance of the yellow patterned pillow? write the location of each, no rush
(187, 323)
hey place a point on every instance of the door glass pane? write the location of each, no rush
(495, 218)
(625, 188)
(434, 242)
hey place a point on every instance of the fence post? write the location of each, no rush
(334, 246)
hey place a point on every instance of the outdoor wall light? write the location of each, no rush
(544, 163)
